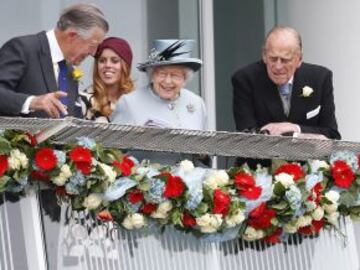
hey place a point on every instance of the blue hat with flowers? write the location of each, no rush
(171, 52)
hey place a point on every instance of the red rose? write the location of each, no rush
(32, 139)
(222, 202)
(242, 179)
(45, 159)
(307, 230)
(40, 176)
(124, 166)
(60, 191)
(174, 187)
(136, 196)
(251, 193)
(316, 193)
(318, 225)
(128, 161)
(84, 167)
(188, 220)
(293, 169)
(342, 174)
(104, 215)
(80, 154)
(260, 217)
(4, 164)
(148, 208)
(274, 238)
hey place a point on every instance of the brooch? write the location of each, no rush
(190, 108)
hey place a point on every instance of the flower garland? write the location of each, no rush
(216, 205)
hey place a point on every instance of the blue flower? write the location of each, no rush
(78, 179)
(87, 143)
(293, 195)
(118, 188)
(71, 188)
(155, 193)
(61, 157)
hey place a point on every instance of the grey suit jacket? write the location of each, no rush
(26, 69)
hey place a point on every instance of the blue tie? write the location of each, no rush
(285, 97)
(62, 80)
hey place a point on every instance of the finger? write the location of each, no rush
(59, 94)
(59, 106)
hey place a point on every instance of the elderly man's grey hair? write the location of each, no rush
(287, 29)
(189, 73)
(82, 17)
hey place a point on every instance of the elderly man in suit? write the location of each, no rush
(36, 71)
(282, 95)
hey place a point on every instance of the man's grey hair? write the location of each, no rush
(82, 17)
(288, 29)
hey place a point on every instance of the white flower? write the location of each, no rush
(332, 196)
(134, 221)
(318, 214)
(163, 210)
(92, 201)
(209, 223)
(217, 179)
(109, 172)
(333, 218)
(289, 228)
(330, 208)
(285, 179)
(252, 234)
(303, 221)
(307, 91)
(316, 165)
(64, 174)
(187, 166)
(17, 160)
(235, 219)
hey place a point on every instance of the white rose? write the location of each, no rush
(65, 171)
(24, 161)
(109, 172)
(289, 228)
(235, 219)
(304, 221)
(332, 195)
(162, 210)
(59, 180)
(209, 223)
(316, 165)
(318, 214)
(134, 221)
(252, 234)
(285, 179)
(330, 208)
(307, 91)
(217, 179)
(187, 166)
(138, 221)
(92, 201)
(333, 218)
(14, 161)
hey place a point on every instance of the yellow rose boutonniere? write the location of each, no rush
(77, 74)
(307, 91)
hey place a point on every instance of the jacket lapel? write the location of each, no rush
(296, 98)
(273, 101)
(46, 63)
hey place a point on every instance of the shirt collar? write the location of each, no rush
(56, 53)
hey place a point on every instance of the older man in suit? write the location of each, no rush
(36, 76)
(282, 95)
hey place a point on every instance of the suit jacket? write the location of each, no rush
(257, 102)
(26, 69)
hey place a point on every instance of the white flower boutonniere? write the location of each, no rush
(77, 74)
(307, 91)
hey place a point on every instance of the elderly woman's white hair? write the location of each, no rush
(188, 72)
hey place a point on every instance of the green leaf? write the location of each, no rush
(279, 189)
(347, 199)
(5, 146)
(280, 206)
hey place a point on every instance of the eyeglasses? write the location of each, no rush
(175, 77)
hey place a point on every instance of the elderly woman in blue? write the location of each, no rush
(165, 103)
